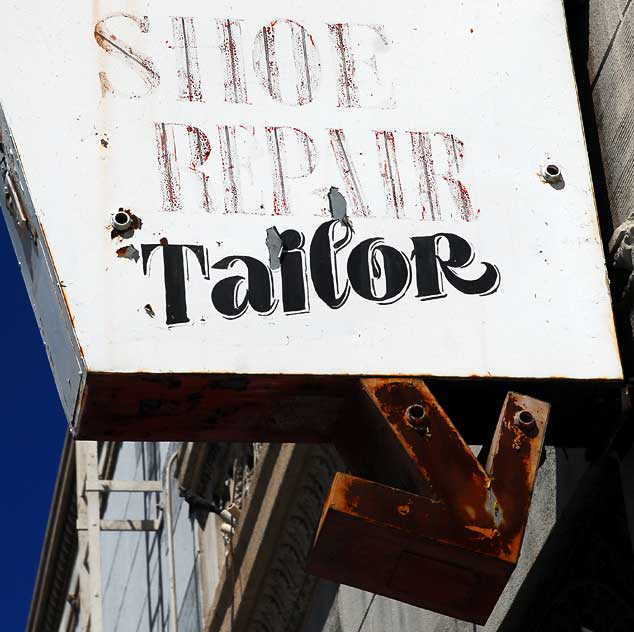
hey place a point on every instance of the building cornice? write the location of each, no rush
(59, 549)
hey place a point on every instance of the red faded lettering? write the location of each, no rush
(188, 70)
(359, 49)
(348, 173)
(141, 65)
(303, 163)
(231, 137)
(170, 179)
(306, 69)
(348, 92)
(388, 167)
(454, 149)
(230, 38)
(424, 166)
(199, 152)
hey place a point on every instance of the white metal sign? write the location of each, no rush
(310, 188)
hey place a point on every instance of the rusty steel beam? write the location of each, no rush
(512, 463)
(451, 550)
(432, 443)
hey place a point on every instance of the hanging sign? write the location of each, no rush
(301, 188)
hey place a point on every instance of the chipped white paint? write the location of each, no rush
(213, 123)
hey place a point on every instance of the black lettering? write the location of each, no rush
(258, 293)
(372, 261)
(294, 274)
(175, 274)
(323, 263)
(431, 267)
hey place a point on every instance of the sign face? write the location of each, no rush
(312, 188)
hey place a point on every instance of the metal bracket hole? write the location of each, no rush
(416, 415)
(551, 173)
(525, 420)
(121, 221)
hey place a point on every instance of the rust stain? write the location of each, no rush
(104, 82)
(434, 443)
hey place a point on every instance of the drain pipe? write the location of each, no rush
(170, 542)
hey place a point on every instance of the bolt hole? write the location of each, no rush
(416, 413)
(525, 420)
(121, 221)
(526, 417)
(551, 173)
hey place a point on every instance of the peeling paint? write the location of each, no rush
(128, 252)
(274, 244)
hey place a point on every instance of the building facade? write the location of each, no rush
(576, 570)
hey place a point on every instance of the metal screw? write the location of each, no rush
(551, 173)
(121, 221)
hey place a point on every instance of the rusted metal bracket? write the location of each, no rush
(432, 527)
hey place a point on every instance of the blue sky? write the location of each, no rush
(34, 428)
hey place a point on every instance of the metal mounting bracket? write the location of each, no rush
(427, 524)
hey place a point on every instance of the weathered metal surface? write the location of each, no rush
(187, 407)
(512, 463)
(314, 189)
(38, 265)
(432, 442)
(451, 551)
(403, 546)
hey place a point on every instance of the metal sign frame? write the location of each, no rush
(372, 190)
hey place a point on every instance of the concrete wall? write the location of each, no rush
(610, 89)
(610, 66)
(608, 85)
